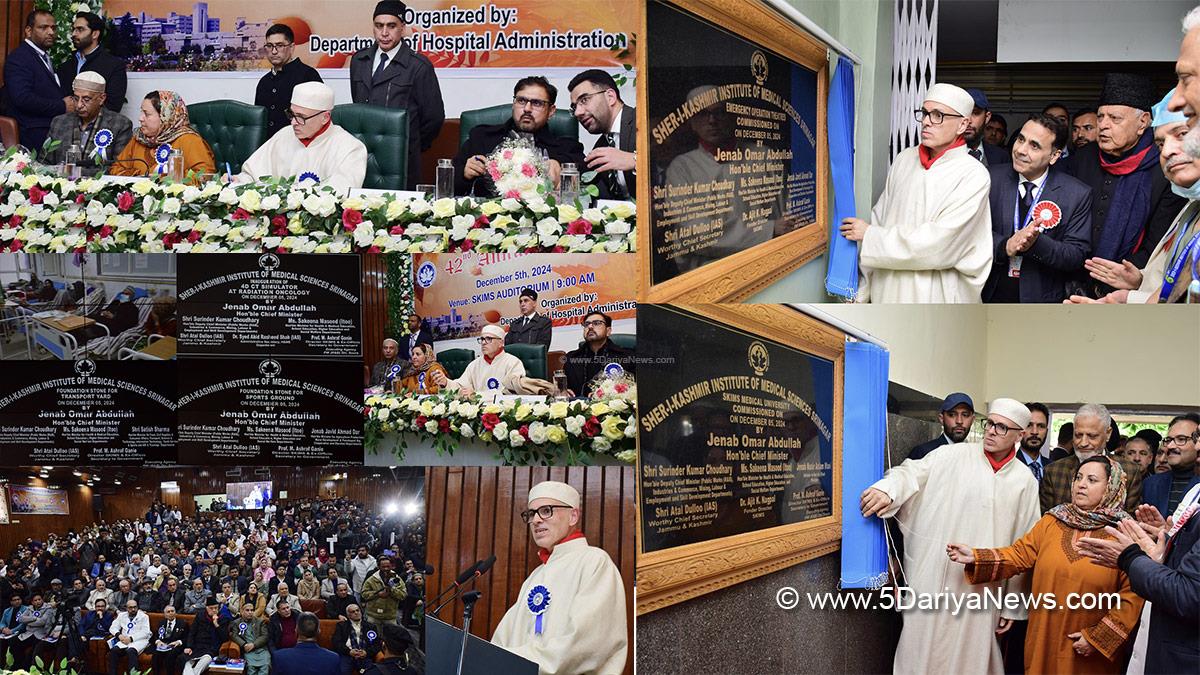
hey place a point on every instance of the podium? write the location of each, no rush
(444, 641)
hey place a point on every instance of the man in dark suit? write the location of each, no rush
(532, 109)
(988, 154)
(418, 333)
(307, 657)
(957, 414)
(34, 95)
(1066, 442)
(356, 642)
(1041, 220)
(530, 328)
(274, 91)
(389, 73)
(86, 32)
(1034, 438)
(1165, 490)
(597, 104)
(168, 641)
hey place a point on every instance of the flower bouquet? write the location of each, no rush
(519, 169)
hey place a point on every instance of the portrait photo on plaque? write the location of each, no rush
(293, 304)
(736, 147)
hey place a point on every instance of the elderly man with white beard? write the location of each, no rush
(1166, 275)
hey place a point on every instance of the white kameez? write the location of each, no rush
(584, 628)
(505, 372)
(952, 495)
(335, 157)
(930, 238)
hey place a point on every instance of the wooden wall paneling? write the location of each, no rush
(13, 30)
(374, 304)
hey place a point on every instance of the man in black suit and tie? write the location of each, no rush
(168, 641)
(86, 32)
(530, 328)
(1033, 439)
(31, 86)
(988, 154)
(1041, 220)
(418, 333)
(597, 104)
(957, 415)
(389, 73)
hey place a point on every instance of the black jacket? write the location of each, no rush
(178, 599)
(275, 630)
(180, 632)
(1056, 258)
(109, 66)
(372, 645)
(537, 332)
(926, 448)
(627, 141)
(487, 137)
(410, 82)
(150, 601)
(33, 95)
(424, 337)
(205, 638)
(581, 365)
(274, 91)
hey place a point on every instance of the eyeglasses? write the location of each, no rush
(487, 339)
(276, 46)
(593, 324)
(935, 116)
(1177, 440)
(999, 428)
(535, 103)
(86, 100)
(544, 512)
(293, 116)
(584, 98)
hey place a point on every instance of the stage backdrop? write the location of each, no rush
(38, 501)
(458, 293)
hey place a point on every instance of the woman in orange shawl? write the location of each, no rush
(1062, 639)
(164, 127)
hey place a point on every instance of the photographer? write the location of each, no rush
(382, 592)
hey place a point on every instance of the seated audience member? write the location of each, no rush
(168, 641)
(282, 627)
(582, 365)
(250, 634)
(356, 641)
(130, 636)
(396, 643)
(390, 368)
(196, 598)
(283, 594)
(308, 588)
(533, 106)
(496, 371)
(97, 621)
(424, 371)
(336, 607)
(85, 125)
(164, 127)
(204, 639)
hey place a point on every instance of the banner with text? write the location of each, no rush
(38, 501)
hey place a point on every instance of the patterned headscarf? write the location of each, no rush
(175, 122)
(1109, 512)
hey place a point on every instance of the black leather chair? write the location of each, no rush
(233, 129)
(563, 123)
(385, 133)
(532, 356)
(455, 361)
(624, 340)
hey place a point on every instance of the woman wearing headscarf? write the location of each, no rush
(419, 379)
(164, 127)
(1062, 639)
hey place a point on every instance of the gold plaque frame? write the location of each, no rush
(678, 574)
(741, 275)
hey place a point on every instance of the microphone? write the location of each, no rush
(479, 570)
(483, 567)
(456, 586)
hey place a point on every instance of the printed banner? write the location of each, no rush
(38, 501)
(4, 517)
(459, 293)
(223, 35)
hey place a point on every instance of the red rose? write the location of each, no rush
(240, 214)
(524, 430)
(580, 226)
(16, 245)
(374, 249)
(351, 219)
(466, 245)
(421, 420)
(481, 221)
(193, 236)
(125, 201)
(490, 420)
(278, 221)
(105, 231)
(444, 426)
(80, 249)
(367, 411)
(36, 194)
(170, 239)
(80, 198)
(16, 221)
(397, 230)
(621, 388)
(281, 249)
(558, 249)
(591, 427)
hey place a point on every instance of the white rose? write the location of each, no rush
(616, 227)
(190, 194)
(383, 413)
(537, 433)
(466, 431)
(500, 430)
(574, 424)
(511, 204)
(622, 210)
(444, 208)
(228, 196)
(549, 227)
(418, 207)
(271, 203)
(515, 438)
(601, 444)
(171, 205)
(51, 199)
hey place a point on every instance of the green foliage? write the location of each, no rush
(398, 281)
(64, 14)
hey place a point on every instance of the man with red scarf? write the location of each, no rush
(1132, 202)
(929, 238)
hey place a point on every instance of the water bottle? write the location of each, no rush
(569, 190)
(71, 162)
(175, 167)
(445, 179)
(560, 381)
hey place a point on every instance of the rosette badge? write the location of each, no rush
(103, 139)
(613, 370)
(538, 602)
(1046, 214)
(310, 176)
(162, 155)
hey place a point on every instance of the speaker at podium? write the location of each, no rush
(444, 643)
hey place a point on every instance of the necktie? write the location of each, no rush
(80, 59)
(354, 638)
(1026, 201)
(610, 177)
(977, 153)
(383, 60)
(1037, 470)
(525, 322)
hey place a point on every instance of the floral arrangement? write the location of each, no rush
(558, 432)
(518, 169)
(45, 213)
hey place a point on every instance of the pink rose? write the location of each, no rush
(508, 154)
(513, 194)
(580, 226)
(528, 170)
(351, 219)
(36, 194)
(124, 201)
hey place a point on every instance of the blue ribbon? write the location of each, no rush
(841, 276)
(162, 155)
(308, 175)
(538, 602)
(421, 381)
(493, 383)
(393, 372)
(102, 140)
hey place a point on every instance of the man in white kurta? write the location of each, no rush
(953, 492)
(496, 372)
(577, 590)
(312, 147)
(929, 238)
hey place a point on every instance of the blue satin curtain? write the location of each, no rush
(864, 443)
(841, 278)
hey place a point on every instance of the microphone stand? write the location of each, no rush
(469, 599)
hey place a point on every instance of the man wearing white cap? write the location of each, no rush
(958, 490)
(929, 238)
(496, 372)
(570, 615)
(99, 132)
(314, 148)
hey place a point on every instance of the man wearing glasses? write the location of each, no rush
(87, 30)
(597, 354)
(961, 489)
(314, 148)
(496, 372)
(130, 637)
(597, 105)
(275, 88)
(570, 614)
(83, 125)
(929, 237)
(1165, 491)
(533, 106)
(1093, 424)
